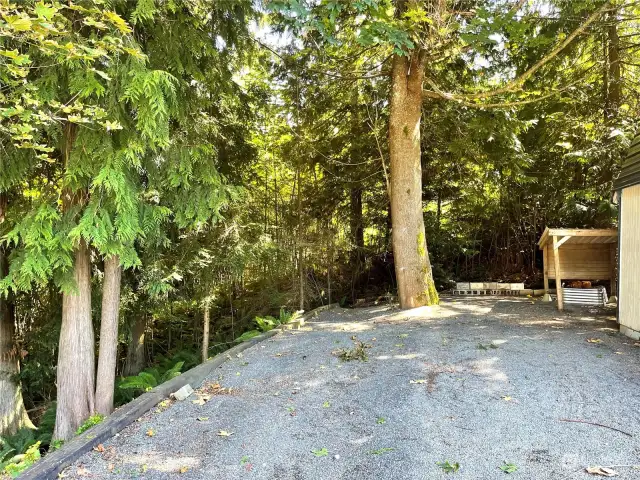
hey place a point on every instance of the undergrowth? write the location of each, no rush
(358, 352)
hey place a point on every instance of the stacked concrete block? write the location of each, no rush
(491, 288)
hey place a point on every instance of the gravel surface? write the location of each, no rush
(475, 381)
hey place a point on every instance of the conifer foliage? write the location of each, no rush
(174, 173)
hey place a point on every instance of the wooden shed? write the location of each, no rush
(627, 187)
(578, 254)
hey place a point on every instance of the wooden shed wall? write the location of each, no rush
(581, 261)
(629, 288)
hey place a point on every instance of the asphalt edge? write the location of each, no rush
(53, 463)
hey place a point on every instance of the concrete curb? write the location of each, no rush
(53, 463)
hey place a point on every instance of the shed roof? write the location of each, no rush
(630, 173)
(578, 235)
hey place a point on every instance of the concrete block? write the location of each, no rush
(516, 286)
(526, 291)
(183, 393)
(476, 286)
(462, 286)
(490, 285)
(538, 292)
(504, 286)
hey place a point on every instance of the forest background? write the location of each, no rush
(177, 176)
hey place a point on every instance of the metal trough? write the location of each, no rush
(585, 296)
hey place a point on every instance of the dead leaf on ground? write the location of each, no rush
(150, 432)
(418, 381)
(213, 389)
(202, 399)
(594, 340)
(224, 433)
(99, 448)
(110, 467)
(507, 398)
(602, 471)
(83, 472)
(184, 469)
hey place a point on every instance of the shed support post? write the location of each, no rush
(556, 261)
(545, 269)
(614, 275)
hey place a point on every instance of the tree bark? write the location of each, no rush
(613, 74)
(13, 415)
(356, 225)
(135, 353)
(412, 265)
(76, 355)
(205, 332)
(301, 278)
(107, 358)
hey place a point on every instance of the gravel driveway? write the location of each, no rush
(475, 382)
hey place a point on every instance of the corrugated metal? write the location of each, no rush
(630, 173)
(585, 296)
(629, 276)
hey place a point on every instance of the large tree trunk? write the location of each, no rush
(135, 361)
(413, 268)
(76, 356)
(13, 415)
(107, 357)
(76, 353)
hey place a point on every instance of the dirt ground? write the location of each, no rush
(465, 390)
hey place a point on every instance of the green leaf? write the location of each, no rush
(323, 452)
(508, 467)
(45, 11)
(449, 467)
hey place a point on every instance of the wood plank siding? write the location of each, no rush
(579, 261)
(629, 287)
(630, 172)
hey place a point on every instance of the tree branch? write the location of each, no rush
(523, 102)
(516, 83)
(516, 7)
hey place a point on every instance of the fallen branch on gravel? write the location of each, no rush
(596, 424)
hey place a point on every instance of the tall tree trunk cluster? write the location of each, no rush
(78, 396)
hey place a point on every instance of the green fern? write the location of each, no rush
(150, 378)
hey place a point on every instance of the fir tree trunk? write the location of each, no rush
(413, 269)
(76, 355)
(107, 358)
(135, 361)
(356, 226)
(205, 332)
(13, 415)
(300, 247)
(614, 87)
